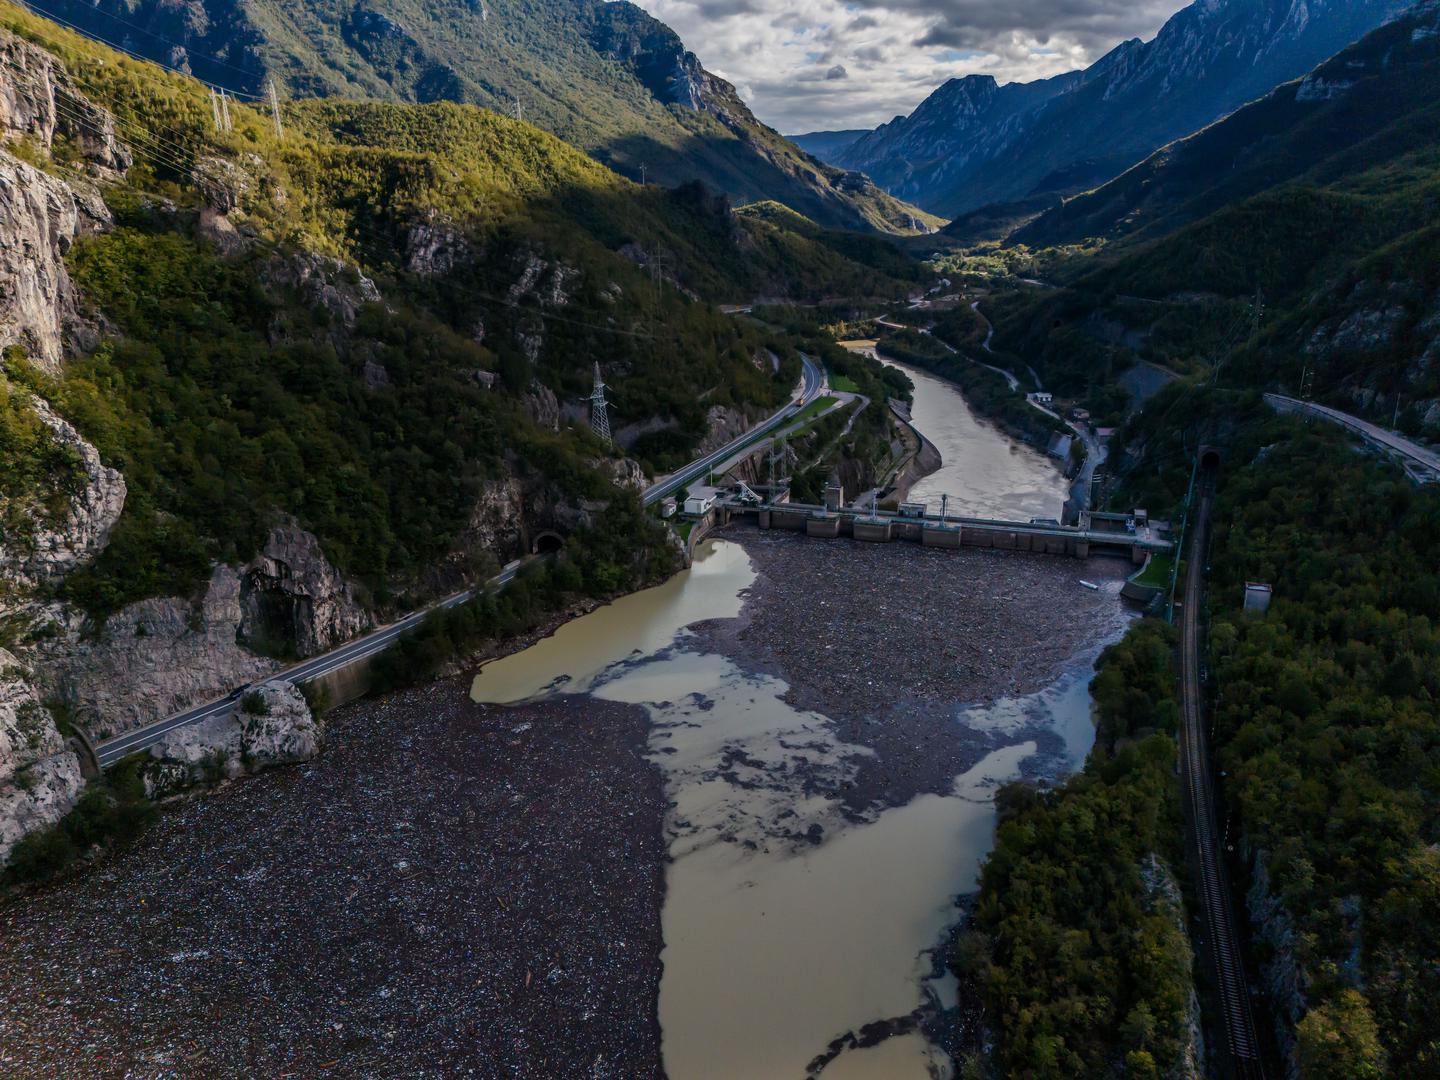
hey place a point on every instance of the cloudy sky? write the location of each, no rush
(804, 65)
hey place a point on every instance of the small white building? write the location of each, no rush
(1043, 397)
(700, 500)
(668, 506)
(1257, 596)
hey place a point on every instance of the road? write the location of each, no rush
(112, 750)
(812, 382)
(1427, 460)
(1221, 942)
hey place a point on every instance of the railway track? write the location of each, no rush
(1242, 1047)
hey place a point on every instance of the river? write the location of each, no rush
(789, 922)
(984, 473)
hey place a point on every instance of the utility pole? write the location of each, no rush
(275, 109)
(215, 110)
(519, 110)
(225, 110)
(643, 168)
(599, 416)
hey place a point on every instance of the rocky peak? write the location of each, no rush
(970, 144)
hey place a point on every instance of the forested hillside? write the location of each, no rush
(605, 77)
(1078, 943)
(1327, 748)
(272, 388)
(1308, 266)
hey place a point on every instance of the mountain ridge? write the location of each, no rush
(992, 146)
(606, 77)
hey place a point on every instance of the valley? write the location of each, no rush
(509, 566)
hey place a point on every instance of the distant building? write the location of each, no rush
(668, 507)
(834, 497)
(1257, 596)
(700, 500)
(1043, 397)
(913, 509)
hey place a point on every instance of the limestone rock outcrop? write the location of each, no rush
(161, 655)
(434, 246)
(272, 725)
(40, 217)
(324, 282)
(39, 778)
(153, 657)
(56, 546)
(292, 595)
(39, 101)
(626, 473)
(723, 423)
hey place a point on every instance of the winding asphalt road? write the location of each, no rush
(112, 750)
(1417, 455)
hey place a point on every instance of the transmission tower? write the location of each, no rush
(599, 417)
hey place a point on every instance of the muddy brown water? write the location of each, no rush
(789, 925)
(775, 944)
(984, 473)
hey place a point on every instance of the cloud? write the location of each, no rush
(805, 65)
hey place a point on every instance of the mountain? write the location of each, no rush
(1319, 199)
(972, 142)
(827, 145)
(605, 77)
(1373, 102)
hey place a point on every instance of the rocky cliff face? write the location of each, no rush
(151, 658)
(271, 726)
(39, 101)
(722, 424)
(971, 144)
(39, 778)
(159, 656)
(291, 594)
(41, 215)
(54, 546)
(1282, 977)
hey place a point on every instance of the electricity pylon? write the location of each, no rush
(599, 416)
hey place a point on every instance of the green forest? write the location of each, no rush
(1077, 945)
(1325, 716)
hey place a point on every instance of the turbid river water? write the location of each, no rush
(984, 473)
(789, 924)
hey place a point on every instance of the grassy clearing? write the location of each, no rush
(843, 384)
(1157, 572)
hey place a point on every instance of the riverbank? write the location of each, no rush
(450, 887)
(892, 642)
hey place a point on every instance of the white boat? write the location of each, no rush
(1089, 585)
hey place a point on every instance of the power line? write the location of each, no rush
(83, 32)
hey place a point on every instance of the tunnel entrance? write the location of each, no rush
(1209, 458)
(547, 543)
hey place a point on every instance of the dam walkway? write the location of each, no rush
(1094, 534)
